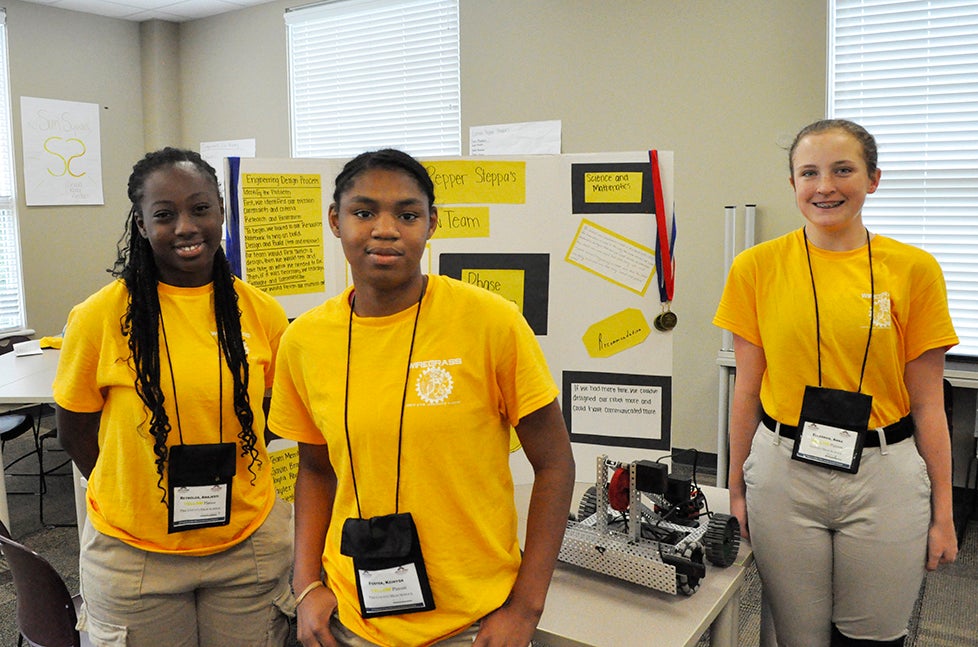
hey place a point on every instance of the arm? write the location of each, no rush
(315, 488)
(923, 377)
(547, 446)
(745, 415)
(78, 433)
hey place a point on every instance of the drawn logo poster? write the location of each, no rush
(62, 152)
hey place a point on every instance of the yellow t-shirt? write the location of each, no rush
(96, 374)
(476, 369)
(768, 301)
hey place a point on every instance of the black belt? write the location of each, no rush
(899, 430)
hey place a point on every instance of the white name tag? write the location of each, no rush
(198, 504)
(391, 589)
(828, 445)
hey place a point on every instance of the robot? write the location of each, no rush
(661, 545)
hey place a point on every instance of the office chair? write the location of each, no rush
(51, 435)
(15, 424)
(46, 612)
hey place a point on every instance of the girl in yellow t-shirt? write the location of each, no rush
(159, 395)
(401, 393)
(840, 470)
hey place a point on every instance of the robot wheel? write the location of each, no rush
(722, 539)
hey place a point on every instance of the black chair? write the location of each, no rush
(51, 435)
(46, 611)
(17, 423)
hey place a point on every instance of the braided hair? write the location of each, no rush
(136, 266)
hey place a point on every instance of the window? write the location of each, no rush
(907, 70)
(12, 313)
(368, 74)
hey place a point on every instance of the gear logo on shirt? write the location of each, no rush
(882, 315)
(434, 384)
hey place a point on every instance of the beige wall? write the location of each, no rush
(59, 54)
(723, 84)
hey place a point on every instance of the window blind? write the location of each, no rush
(12, 312)
(368, 74)
(907, 70)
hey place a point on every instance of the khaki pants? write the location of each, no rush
(347, 638)
(237, 598)
(832, 547)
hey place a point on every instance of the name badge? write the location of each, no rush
(387, 562)
(832, 428)
(200, 478)
(830, 446)
(391, 590)
(200, 505)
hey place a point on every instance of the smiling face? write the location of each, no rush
(384, 221)
(180, 214)
(831, 182)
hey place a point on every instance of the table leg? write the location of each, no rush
(4, 510)
(725, 630)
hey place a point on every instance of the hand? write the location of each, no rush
(942, 544)
(738, 508)
(507, 626)
(312, 619)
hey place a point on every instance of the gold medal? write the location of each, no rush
(665, 321)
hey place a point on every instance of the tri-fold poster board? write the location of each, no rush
(571, 239)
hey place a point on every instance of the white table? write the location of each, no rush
(25, 381)
(586, 608)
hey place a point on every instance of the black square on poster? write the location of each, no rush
(664, 442)
(578, 172)
(536, 284)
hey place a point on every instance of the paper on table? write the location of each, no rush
(30, 347)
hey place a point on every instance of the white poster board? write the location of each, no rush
(62, 152)
(570, 238)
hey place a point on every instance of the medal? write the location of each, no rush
(665, 261)
(665, 321)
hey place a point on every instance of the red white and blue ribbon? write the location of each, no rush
(665, 240)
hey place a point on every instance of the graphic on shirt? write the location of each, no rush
(434, 384)
(882, 316)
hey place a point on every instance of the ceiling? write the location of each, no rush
(140, 10)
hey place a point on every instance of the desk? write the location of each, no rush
(27, 379)
(586, 608)
(24, 381)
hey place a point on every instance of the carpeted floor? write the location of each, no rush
(946, 615)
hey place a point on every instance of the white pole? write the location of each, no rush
(750, 212)
(726, 344)
(729, 250)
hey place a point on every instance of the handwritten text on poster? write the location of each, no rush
(282, 217)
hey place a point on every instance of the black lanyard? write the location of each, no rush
(173, 381)
(872, 307)
(400, 423)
